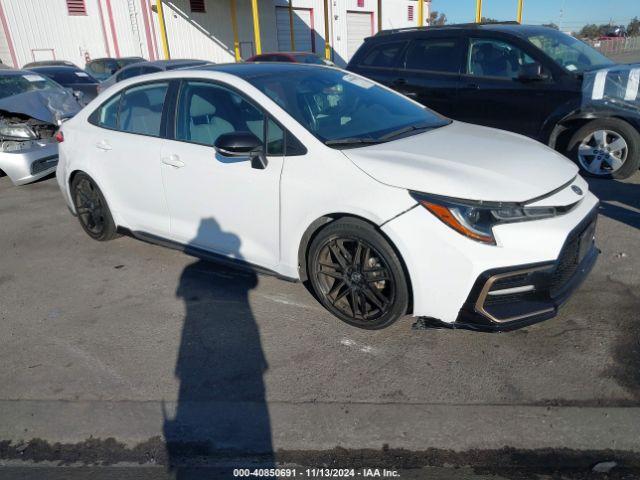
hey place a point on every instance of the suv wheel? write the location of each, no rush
(606, 148)
(357, 275)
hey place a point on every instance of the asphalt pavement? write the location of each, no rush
(127, 353)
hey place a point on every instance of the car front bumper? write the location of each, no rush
(30, 163)
(509, 298)
(454, 279)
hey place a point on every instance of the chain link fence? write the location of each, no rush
(616, 46)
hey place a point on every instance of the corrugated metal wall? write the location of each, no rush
(42, 28)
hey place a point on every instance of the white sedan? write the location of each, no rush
(383, 207)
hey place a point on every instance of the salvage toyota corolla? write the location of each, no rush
(315, 174)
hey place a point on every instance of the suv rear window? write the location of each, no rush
(434, 54)
(383, 55)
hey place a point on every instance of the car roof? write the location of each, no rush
(15, 73)
(178, 61)
(55, 68)
(513, 28)
(250, 70)
(285, 53)
(116, 59)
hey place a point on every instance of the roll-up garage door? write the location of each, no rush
(359, 27)
(302, 29)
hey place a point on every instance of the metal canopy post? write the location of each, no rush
(163, 30)
(234, 24)
(256, 26)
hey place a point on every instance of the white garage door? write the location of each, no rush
(302, 29)
(359, 27)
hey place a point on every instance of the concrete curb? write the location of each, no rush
(322, 426)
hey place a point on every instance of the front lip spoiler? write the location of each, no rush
(478, 321)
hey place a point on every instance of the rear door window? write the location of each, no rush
(141, 109)
(383, 56)
(434, 55)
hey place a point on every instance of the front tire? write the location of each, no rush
(357, 275)
(92, 209)
(606, 148)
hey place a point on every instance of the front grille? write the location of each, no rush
(568, 261)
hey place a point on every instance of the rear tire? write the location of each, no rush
(92, 209)
(594, 147)
(356, 275)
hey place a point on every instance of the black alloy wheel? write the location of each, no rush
(358, 277)
(91, 207)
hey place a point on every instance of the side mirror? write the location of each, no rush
(531, 72)
(242, 144)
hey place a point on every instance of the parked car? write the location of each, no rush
(316, 174)
(526, 79)
(143, 68)
(80, 82)
(295, 57)
(103, 68)
(49, 63)
(31, 109)
(616, 31)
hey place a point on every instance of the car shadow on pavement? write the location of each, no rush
(221, 412)
(618, 200)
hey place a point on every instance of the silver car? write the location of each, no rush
(32, 107)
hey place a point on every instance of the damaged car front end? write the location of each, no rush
(32, 108)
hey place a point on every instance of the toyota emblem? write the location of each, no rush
(576, 189)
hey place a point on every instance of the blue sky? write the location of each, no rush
(576, 12)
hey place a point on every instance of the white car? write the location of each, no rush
(384, 207)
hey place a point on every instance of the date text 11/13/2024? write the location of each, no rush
(316, 473)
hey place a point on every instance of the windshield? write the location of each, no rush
(17, 84)
(572, 54)
(337, 106)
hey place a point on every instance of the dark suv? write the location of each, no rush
(528, 79)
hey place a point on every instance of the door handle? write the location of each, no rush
(173, 160)
(472, 86)
(103, 145)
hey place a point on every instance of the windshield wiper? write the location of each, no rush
(403, 130)
(352, 141)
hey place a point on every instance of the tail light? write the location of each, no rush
(59, 136)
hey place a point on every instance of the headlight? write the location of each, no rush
(22, 132)
(477, 219)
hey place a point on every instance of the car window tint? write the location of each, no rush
(108, 116)
(141, 109)
(206, 111)
(275, 138)
(96, 67)
(495, 58)
(437, 55)
(128, 73)
(383, 55)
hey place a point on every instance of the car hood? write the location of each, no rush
(49, 106)
(468, 162)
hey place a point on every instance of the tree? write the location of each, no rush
(436, 18)
(633, 29)
(488, 20)
(551, 25)
(590, 30)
